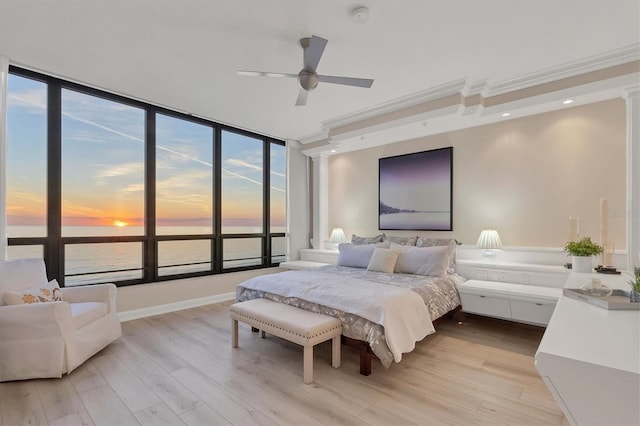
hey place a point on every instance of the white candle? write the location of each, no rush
(604, 228)
(609, 253)
(574, 228)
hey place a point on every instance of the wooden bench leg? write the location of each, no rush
(335, 352)
(234, 333)
(308, 364)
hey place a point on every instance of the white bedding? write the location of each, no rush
(402, 312)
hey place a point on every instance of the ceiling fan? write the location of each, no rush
(308, 78)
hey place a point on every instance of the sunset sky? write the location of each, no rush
(103, 165)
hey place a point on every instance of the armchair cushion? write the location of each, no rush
(48, 292)
(20, 274)
(86, 312)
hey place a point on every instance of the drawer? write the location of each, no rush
(531, 312)
(486, 305)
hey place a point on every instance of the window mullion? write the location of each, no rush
(54, 253)
(150, 251)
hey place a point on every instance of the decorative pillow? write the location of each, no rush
(403, 241)
(422, 260)
(357, 256)
(366, 240)
(49, 292)
(383, 260)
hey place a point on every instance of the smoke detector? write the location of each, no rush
(360, 15)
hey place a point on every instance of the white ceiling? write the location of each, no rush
(184, 54)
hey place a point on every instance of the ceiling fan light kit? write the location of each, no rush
(308, 79)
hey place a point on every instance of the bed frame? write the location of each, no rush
(366, 354)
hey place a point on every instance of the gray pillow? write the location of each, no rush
(366, 240)
(422, 260)
(357, 256)
(403, 241)
(435, 242)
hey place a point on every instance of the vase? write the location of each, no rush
(582, 264)
(634, 296)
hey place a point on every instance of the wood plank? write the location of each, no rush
(225, 403)
(81, 418)
(20, 403)
(125, 383)
(105, 408)
(86, 377)
(158, 415)
(59, 398)
(175, 395)
(203, 415)
(152, 347)
(511, 416)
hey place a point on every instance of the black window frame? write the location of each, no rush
(54, 243)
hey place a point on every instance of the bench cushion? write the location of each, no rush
(297, 325)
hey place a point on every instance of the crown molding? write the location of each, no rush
(631, 92)
(315, 137)
(437, 92)
(569, 69)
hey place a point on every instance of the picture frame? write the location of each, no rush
(415, 191)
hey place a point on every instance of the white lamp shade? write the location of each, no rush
(489, 240)
(337, 236)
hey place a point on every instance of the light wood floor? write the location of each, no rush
(179, 368)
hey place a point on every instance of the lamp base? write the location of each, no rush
(489, 256)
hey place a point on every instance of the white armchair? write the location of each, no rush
(49, 339)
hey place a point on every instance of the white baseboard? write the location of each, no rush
(176, 306)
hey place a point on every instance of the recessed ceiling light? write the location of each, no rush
(333, 150)
(568, 101)
(506, 114)
(360, 15)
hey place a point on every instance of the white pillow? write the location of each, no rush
(422, 260)
(357, 256)
(383, 260)
(49, 292)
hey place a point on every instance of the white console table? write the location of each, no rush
(589, 358)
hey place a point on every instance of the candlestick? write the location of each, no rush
(574, 228)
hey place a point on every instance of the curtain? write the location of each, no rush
(4, 77)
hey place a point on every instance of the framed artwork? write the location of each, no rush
(415, 191)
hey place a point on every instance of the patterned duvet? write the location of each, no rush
(440, 296)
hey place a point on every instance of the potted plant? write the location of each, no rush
(634, 295)
(582, 252)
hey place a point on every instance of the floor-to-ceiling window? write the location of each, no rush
(107, 188)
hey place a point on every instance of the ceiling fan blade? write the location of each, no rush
(265, 74)
(302, 97)
(347, 81)
(313, 52)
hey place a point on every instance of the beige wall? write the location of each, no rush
(165, 292)
(523, 177)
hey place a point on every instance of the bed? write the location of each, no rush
(389, 311)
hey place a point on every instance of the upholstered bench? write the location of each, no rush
(295, 325)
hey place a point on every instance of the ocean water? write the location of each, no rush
(105, 262)
(418, 220)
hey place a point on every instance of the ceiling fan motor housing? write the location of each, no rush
(308, 80)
